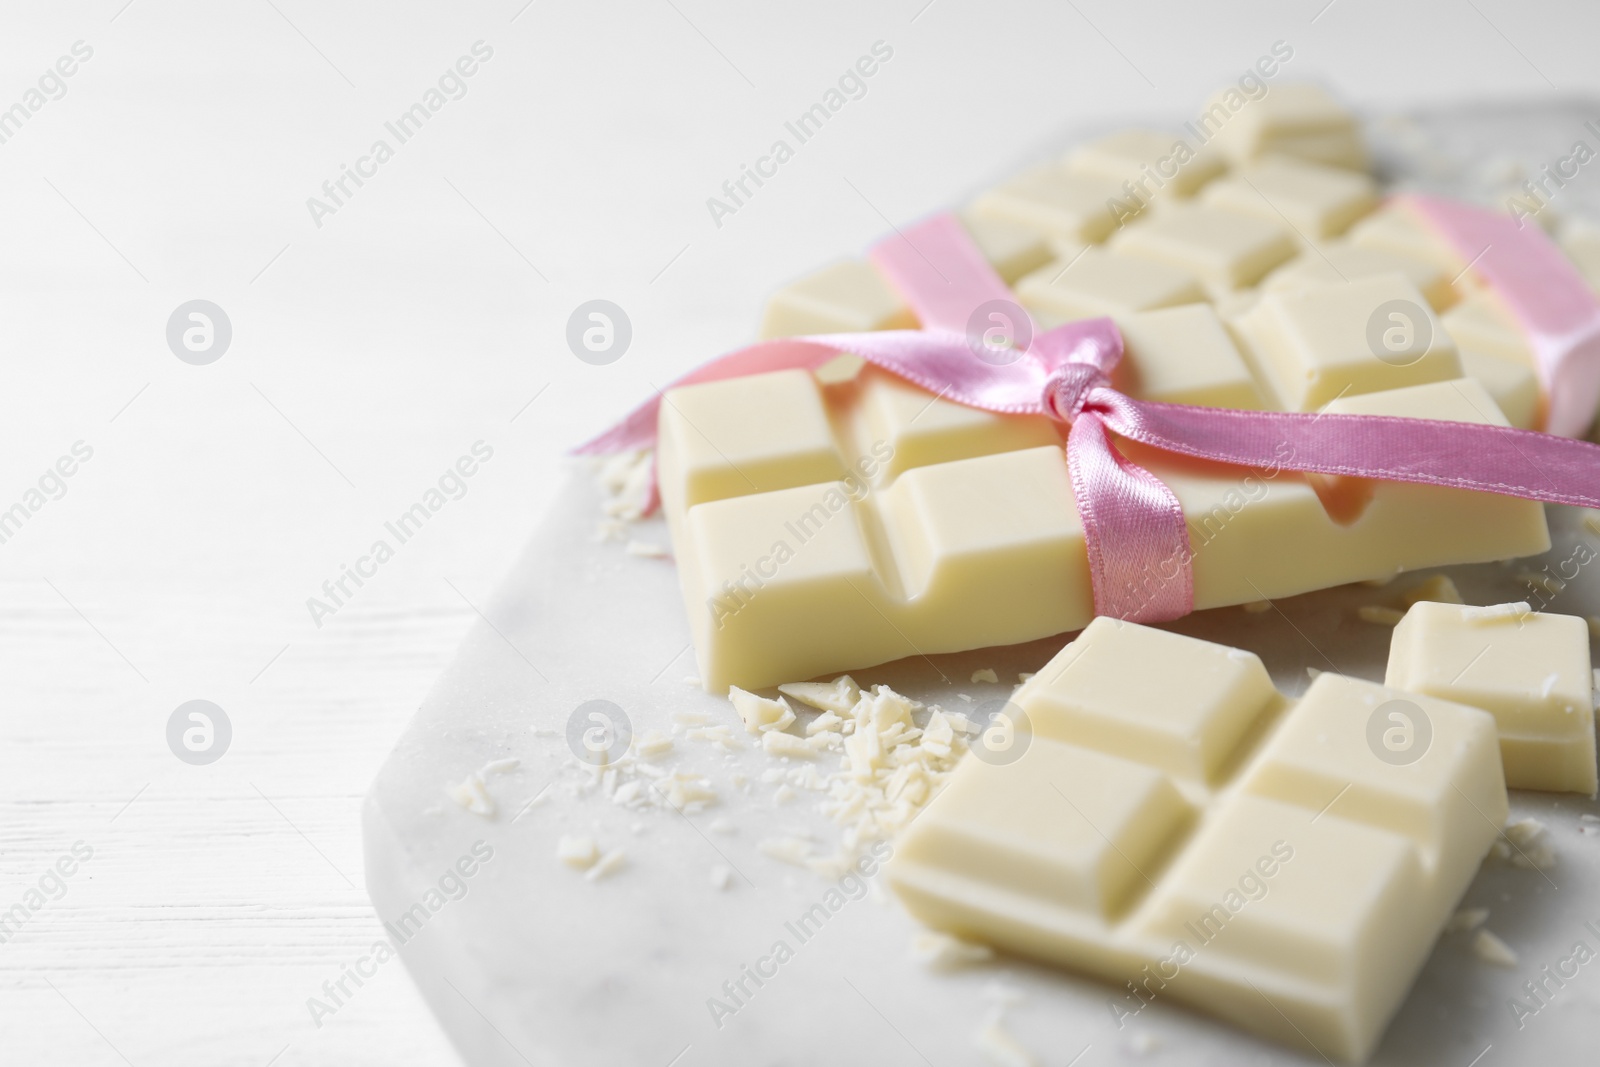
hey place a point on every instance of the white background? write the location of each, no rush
(369, 353)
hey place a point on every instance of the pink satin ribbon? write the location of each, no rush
(1132, 523)
(1552, 302)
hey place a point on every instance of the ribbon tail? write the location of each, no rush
(1133, 527)
(1551, 300)
(1482, 457)
(1571, 366)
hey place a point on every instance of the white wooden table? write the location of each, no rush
(426, 314)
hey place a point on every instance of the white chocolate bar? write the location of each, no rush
(852, 297)
(1513, 385)
(1344, 261)
(1316, 201)
(1397, 229)
(1494, 351)
(1225, 249)
(1012, 250)
(1314, 345)
(845, 297)
(831, 522)
(1211, 235)
(1190, 833)
(1530, 670)
(873, 521)
(1480, 321)
(1298, 121)
(1100, 281)
(1212, 372)
(1067, 205)
(1148, 164)
(1582, 246)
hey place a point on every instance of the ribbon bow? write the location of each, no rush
(1133, 523)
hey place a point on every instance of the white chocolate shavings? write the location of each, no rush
(579, 853)
(1531, 848)
(472, 793)
(720, 735)
(625, 479)
(823, 723)
(646, 550)
(653, 743)
(889, 767)
(1380, 614)
(985, 675)
(1256, 607)
(837, 696)
(938, 735)
(941, 952)
(1496, 613)
(634, 781)
(1490, 949)
(1467, 919)
(959, 722)
(721, 877)
(690, 793)
(607, 865)
(791, 850)
(1024, 676)
(692, 680)
(867, 765)
(998, 1047)
(1548, 684)
(778, 743)
(1438, 588)
(759, 713)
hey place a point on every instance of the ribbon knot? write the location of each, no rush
(1069, 389)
